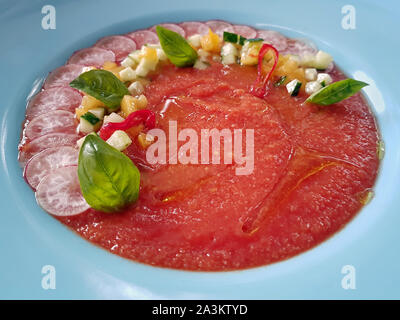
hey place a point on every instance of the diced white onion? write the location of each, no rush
(312, 87)
(310, 74)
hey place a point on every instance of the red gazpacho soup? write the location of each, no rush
(201, 146)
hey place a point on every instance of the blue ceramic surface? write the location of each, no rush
(30, 238)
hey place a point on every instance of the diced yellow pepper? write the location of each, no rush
(91, 102)
(249, 54)
(145, 140)
(289, 67)
(211, 42)
(88, 103)
(149, 54)
(131, 104)
(113, 67)
(128, 105)
(109, 65)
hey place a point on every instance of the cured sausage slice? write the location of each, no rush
(62, 76)
(120, 45)
(142, 37)
(219, 27)
(245, 31)
(92, 57)
(59, 193)
(278, 40)
(54, 121)
(46, 161)
(170, 26)
(194, 27)
(59, 98)
(44, 142)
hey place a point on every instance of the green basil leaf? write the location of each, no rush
(177, 49)
(108, 178)
(102, 85)
(336, 92)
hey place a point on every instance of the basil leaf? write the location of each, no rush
(177, 49)
(108, 178)
(336, 92)
(102, 85)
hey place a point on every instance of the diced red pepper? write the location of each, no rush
(259, 89)
(135, 118)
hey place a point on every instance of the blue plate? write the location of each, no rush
(31, 239)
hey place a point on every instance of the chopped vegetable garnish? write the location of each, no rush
(234, 38)
(255, 40)
(280, 81)
(91, 118)
(135, 118)
(177, 49)
(336, 92)
(259, 89)
(296, 89)
(108, 178)
(102, 85)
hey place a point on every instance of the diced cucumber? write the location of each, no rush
(90, 117)
(195, 40)
(127, 74)
(249, 52)
(293, 87)
(319, 61)
(128, 62)
(201, 64)
(135, 55)
(322, 60)
(113, 117)
(312, 87)
(233, 38)
(136, 88)
(98, 112)
(324, 79)
(88, 123)
(229, 53)
(310, 74)
(119, 140)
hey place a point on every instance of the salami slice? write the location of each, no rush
(170, 26)
(58, 98)
(44, 162)
(278, 40)
(219, 27)
(51, 122)
(142, 37)
(44, 142)
(299, 47)
(120, 45)
(245, 31)
(59, 193)
(92, 57)
(194, 27)
(62, 76)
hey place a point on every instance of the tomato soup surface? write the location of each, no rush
(313, 166)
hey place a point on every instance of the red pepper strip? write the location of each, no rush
(259, 88)
(134, 119)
